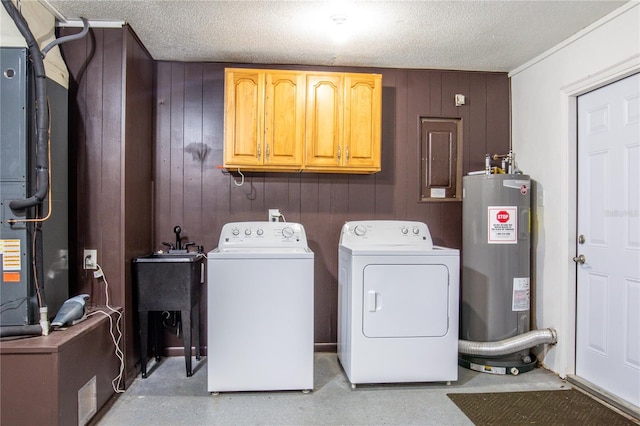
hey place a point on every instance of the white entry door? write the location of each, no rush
(608, 278)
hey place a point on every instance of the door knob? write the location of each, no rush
(579, 259)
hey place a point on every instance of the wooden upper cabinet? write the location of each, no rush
(344, 114)
(362, 121)
(302, 120)
(324, 128)
(284, 119)
(243, 117)
(264, 119)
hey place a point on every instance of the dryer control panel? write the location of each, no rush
(262, 234)
(386, 233)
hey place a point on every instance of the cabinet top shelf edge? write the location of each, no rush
(293, 71)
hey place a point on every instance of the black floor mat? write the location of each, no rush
(561, 407)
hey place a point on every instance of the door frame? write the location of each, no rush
(570, 95)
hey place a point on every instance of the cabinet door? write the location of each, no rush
(324, 117)
(362, 121)
(243, 117)
(284, 119)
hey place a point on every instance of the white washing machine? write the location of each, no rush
(260, 309)
(398, 304)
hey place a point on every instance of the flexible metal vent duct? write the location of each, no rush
(509, 346)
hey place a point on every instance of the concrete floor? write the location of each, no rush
(168, 397)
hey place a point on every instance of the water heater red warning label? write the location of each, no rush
(503, 216)
(503, 227)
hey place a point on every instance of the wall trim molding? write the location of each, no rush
(577, 36)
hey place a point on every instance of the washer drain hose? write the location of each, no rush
(510, 345)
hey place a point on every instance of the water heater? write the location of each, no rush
(495, 284)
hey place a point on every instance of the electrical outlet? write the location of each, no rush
(274, 215)
(90, 259)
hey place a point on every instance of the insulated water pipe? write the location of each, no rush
(42, 112)
(510, 345)
(20, 330)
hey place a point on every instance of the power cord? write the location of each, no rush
(116, 383)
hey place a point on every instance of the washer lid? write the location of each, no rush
(261, 253)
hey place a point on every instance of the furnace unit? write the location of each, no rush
(20, 240)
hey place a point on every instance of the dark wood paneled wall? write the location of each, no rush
(135, 219)
(110, 140)
(125, 152)
(193, 192)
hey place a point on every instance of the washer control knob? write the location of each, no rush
(247, 231)
(404, 230)
(287, 232)
(259, 231)
(359, 230)
(416, 230)
(235, 231)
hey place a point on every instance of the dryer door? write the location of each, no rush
(405, 301)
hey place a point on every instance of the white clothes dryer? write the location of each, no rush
(398, 304)
(260, 309)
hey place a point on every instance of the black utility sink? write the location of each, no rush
(173, 255)
(169, 282)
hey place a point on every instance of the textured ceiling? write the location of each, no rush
(462, 35)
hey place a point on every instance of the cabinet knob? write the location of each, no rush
(259, 151)
(339, 152)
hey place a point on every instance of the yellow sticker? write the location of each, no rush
(10, 250)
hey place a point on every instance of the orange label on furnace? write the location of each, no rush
(11, 277)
